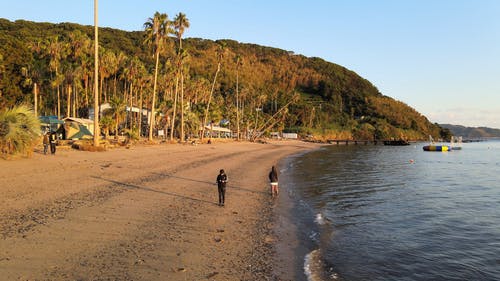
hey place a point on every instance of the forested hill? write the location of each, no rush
(472, 132)
(291, 92)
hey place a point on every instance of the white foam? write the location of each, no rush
(314, 268)
(319, 219)
(312, 265)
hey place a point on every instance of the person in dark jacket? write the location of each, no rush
(273, 179)
(53, 140)
(221, 186)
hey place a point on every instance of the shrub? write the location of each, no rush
(88, 147)
(19, 130)
(132, 134)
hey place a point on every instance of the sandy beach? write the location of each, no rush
(144, 213)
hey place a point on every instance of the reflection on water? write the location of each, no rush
(399, 213)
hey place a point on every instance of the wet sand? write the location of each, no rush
(144, 213)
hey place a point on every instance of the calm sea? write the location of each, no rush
(379, 212)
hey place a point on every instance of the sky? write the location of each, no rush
(441, 57)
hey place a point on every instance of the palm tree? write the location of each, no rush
(239, 62)
(81, 49)
(180, 24)
(183, 56)
(176, 94)
(117, 110)
(71, 80)
(143, 81)
(55, 50)
(119, 63)
(157, 29)
(108, 59)
(220, 56)
(130, 74)
(19, 130)
(106, 122)
(31, 77)
(2, 70)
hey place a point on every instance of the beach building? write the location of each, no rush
(275, 135)
(217, 131)
(292, 136)
(129, 109)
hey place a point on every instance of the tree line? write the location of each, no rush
(192, 82)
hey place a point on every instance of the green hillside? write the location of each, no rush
(266, 89)
(472, 132)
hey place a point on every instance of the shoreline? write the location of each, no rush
(292, 244)
(144, 213)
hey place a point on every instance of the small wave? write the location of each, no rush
(314, 236)
(314, 268)
(319, 219)
(312, 265)
(303, 204)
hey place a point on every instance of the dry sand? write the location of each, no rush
(144, 213)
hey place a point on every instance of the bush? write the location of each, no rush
(19, 130)
(132, 134)
(88, 147)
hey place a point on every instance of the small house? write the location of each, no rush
(217, 131)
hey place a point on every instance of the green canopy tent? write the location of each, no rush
(50, 123)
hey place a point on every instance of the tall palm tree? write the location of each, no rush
(157, 29)
(56, 51)
(130, 74)
(108, 59)
(183, 57)
(220, 56)
(179, 76)
(2, 70)
(143, 81)
(119, 63)
(181, 22)
(239, 62)
(81, 49)
(176, 95)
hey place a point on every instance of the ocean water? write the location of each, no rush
(374, 212)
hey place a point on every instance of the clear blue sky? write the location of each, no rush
(441, 57)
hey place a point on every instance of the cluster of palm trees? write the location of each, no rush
(158, 28)
(157, 78)
(70, 67)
